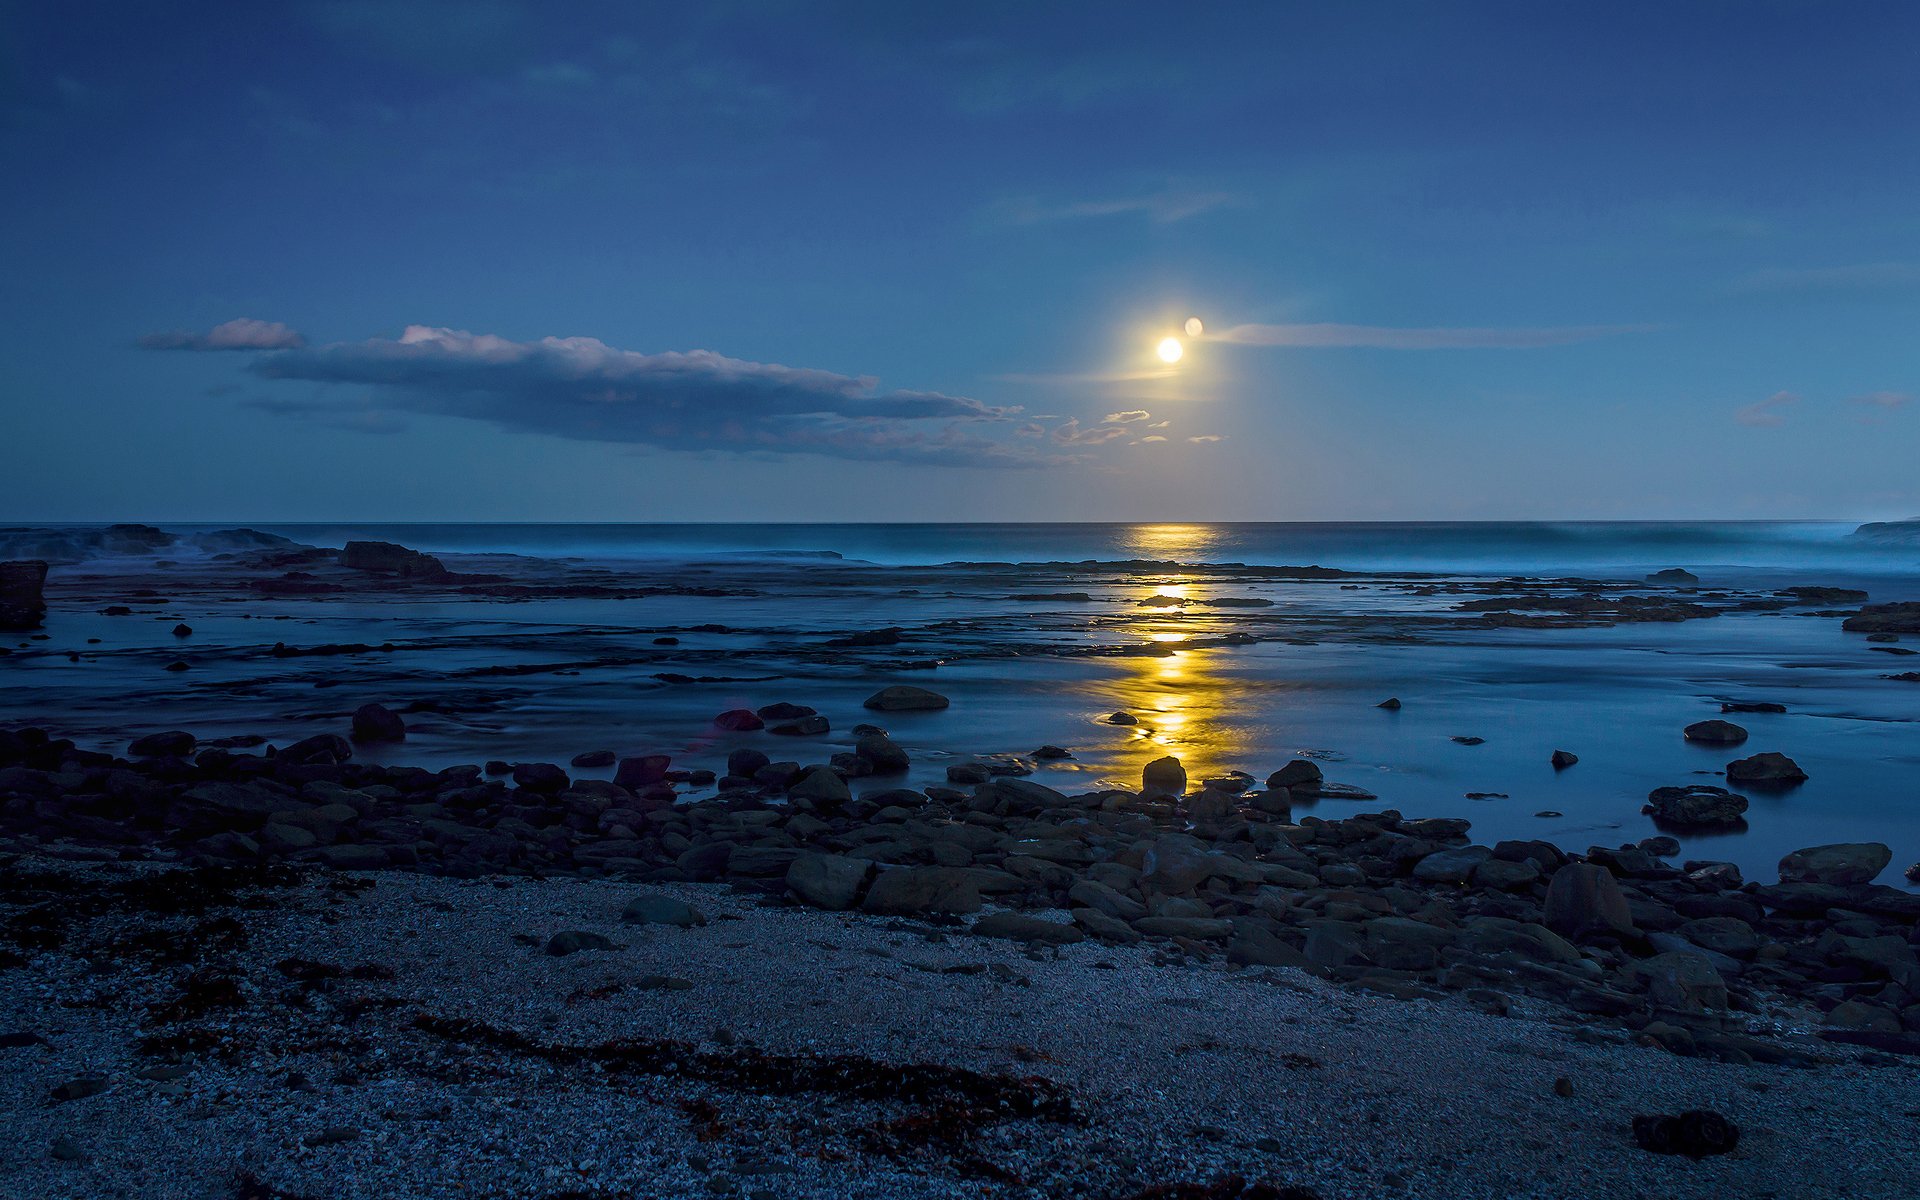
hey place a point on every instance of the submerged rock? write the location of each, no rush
(902, 697)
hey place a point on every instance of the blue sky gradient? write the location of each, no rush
(894, 262)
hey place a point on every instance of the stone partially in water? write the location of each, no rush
(1715, 733)
(1842, 862)
(902, 697)
(1699, 806)
(1770, 769)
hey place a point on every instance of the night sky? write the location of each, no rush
(900, 261)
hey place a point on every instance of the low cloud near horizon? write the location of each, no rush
(1324, 335)
(582, 388)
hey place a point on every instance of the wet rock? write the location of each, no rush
(543, 778)
(1562, 759)
(743, 720)
(174, 743)
(1696, 1133)
(183, 630)
(1698, 806)
(1164, 777)
(1391, 702)
(1715, 733)
(1020, 927)
(1752, 706)
(1770, 769)
(22, 602)
(800, 727)
(829, 881)
(883, 752)
(1300, 777)
(662, 910)
(391, 559)
(822, 786)
(783, 711)
(1903, 617)
(743, 763)
(1122, 718)
(1842, 862)
(378, 723)
(320, 748)
(1584, 899)
(912, 891)
(572, 941)
(593, 760)
(1674, 575)
(1051, 753)
(903, 697)
(644, 770)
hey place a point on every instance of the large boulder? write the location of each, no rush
(1903, 617)
(911, 891)
(378, 723)
(391, 559)
(1699, 806)
(883, 752)
(22, 603)
(1582, 899)
(175, 743)
(829, 881)
(902, 697)
(1164, 777)
(1842, 862)
(822, 786)
(1770, 769)
(1301, 776)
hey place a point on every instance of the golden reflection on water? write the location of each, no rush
(1175, 540)
(1181, 700)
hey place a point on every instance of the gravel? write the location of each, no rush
(1182, 1072)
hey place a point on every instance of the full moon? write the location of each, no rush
(1194, 327)
(1171, 350)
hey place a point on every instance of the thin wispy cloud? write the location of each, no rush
(584, 389)
(1122, 418)
(1163, 207)
(242, 334)
(1768, 413)
(1884, 399)
(1383, 337)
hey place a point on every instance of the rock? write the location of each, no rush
(829, 881)
(822, 786)
(572, 941)
(1696, 1133)
(1698, 806)
(902, 697)
(1051, 753)
(178, 664)
(1451, 866)
(1842, 862)
(378, 723)
(883, 752)
(1715, 733)
(543, 778)
(1122, 718)
(1562, 759)
(80, 1087)
(644, 770)
(391, 558)
(783, 711)
(1505, 876)
(1391, 702)
(1769, 769)
(1106, 927)
(183, 630)
(1255, 944)
(175, 743)
(1674, 575)
(1683, 981)
(354, 857)
(1199, 929)
(912, 891)
(1089, 893)
(1020, 927)
(743, 720)
(1903, 617)
(1301, 776)
(593, 760)
(744, 763)
(1164, 777)
(1730, 936)
(1584, 899)
(22, 602)
(661, 910)
(800, 727)
(320, 748)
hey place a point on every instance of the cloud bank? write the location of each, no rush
(1381, 337)
(584, 389)
(244, 333)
